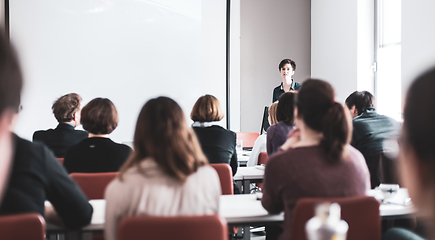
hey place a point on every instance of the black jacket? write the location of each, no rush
(37, 176)
(60, 138)
(96, 155)
(218, 145)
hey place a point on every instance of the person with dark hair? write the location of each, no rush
(218, 143)
(287, 68)
(35, 175)
(66, 109)
(167, 174)
(98, 153)
(277, 133)
(370, 129)
(417, 152)
(317, 160)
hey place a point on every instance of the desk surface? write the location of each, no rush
(245, 209)
(249, 173)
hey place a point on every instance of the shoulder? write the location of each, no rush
(41, 133)
(34, 152)
(277, 88)
(298, 85)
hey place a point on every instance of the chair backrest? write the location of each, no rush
(60, 160)
(225, 176)
(22, 227)
(384, 169)
(94, 185)
(248, 138)
(262, 158)
(361, 213)
(211, 227)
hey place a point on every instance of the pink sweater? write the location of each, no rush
(304, 172)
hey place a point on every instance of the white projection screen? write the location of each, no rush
(126, 50)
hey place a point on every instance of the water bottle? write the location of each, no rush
(327, 225)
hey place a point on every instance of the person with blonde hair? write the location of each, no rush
(260, 143)
(166, 175)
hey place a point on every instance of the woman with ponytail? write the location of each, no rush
(317, 160)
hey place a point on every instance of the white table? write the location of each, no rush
(243, 157)
(242, 210)
(248, 175)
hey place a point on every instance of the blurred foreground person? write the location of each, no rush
(35, 174)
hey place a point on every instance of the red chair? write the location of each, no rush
(22, 227)
(94, 184)
(211, 227)
(361, 213)
(60, 160)
(225, 176)
(248, 138)
(262, 158)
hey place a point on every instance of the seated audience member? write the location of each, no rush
(218, 143)
(66, 109)
(277, 134)
(167, 174)
(35, 175)
(370, 129)
(98, 153)
(417, 151)
(260, 143)
(317, 160)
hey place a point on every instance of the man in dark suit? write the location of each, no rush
(66, 109)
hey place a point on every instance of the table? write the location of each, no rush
(241, 210)
(243, 157)
(248, 175)
(238, 210)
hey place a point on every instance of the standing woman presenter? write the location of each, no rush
(287, 69)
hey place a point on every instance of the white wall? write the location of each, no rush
(270, 31)
(128, 51)
(334, 44)
(418, 38)
(342, 44)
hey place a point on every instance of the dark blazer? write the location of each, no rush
(218, 145)
(370, 129)
(96, 155)
(60, 138)
(37, 176)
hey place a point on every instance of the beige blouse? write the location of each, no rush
(155, 193)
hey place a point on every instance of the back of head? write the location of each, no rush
(207, 109)
(163, 135)
(285, 108)
(99, 116)
(11, 80)
(320, 112)
(272, 113)
(361, 101)
(65, 107)
(419, 118)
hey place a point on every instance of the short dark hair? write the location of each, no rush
(11, 80)
(361, 101)
(285, 108)
(65, 107)
(419, 117)
(99, 116)
(207, 109)
(287, 61)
